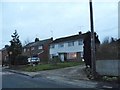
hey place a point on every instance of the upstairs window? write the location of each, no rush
(28, 50)
(40, 47)
(24, 50)
(32, 48)
(80, 42)
(71, 43)
(61, 45)
(52, 46)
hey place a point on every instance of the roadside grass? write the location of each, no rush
(42, 67)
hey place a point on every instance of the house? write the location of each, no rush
(68, 48)
(38, 48)
(4, 55)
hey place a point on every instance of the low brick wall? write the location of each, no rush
(108, 67)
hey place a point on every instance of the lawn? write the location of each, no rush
(41, 67)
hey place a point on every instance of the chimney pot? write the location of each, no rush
(80, 32)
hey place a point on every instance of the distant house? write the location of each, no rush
(38, 48)
(4, 54)
(68, 48)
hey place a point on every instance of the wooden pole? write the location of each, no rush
(93, 59)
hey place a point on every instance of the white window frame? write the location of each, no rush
(32, 48)
(72, 55)
(40, 47)
(24, 50)
(60, 45)
(28, 49)
(52, 46)
(70, 43)
(80, 42)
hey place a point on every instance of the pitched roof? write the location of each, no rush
(69, 38)
(41, 42)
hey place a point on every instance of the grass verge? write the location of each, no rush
(41, 67)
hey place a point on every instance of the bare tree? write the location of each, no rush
(106, 40)
(26, 41)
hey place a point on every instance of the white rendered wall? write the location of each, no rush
(66, 48)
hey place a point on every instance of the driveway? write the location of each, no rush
(71, 75)
(76, 72)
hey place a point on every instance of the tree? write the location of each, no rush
(108, 50)
(15, 48)
(87, 47)
(106, 40)
(27, 41)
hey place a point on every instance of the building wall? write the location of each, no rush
(68, 51)
(4, 56)
(66, 48)
(45, 55)
(42, 53)
(108, 67)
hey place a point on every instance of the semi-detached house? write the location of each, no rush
(38, 49)
(68, 48)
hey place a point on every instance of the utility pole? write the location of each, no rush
(93, 59)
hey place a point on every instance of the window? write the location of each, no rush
(80, 42)
(61, 45)
(71, 43)
(40, 47)
(28, 49)
(52, 46)
(24, 50)
(32, 48)
(71, 55)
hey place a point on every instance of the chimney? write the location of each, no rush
(51, 38)
(80, 33)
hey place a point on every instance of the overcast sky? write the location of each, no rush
(57, 19)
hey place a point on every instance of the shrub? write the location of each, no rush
(55, 60)
(21, 60)
(106, 52)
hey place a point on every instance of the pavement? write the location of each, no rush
(76, 72)
(72, 75)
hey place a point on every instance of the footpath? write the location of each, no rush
(71, 75)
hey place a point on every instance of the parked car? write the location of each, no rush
(33, 60)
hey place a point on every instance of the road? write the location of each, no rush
(12, 80)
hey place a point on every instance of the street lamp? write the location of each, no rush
(92, 41)
(10, 53)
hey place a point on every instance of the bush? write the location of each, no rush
(55, 60)
(107, 52)
(21, 60)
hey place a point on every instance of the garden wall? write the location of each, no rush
(108, 67)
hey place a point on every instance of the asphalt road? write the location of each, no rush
(13, 80)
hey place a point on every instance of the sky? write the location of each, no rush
(46, 19)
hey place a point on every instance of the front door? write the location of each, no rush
(62, 57)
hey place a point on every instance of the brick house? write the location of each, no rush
(39, 49)
(4, 55)
(68, 48)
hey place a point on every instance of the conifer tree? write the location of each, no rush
(15, 47)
